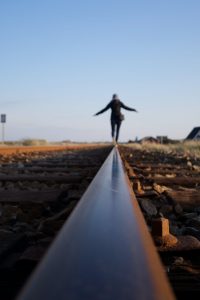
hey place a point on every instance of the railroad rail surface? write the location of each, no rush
(104, 250)
(38, 192)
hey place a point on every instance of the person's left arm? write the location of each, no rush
(127, 108)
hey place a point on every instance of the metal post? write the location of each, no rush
(3, 132)
(3, 121)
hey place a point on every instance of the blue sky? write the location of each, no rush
(61, 61)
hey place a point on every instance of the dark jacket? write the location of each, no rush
(115, 106)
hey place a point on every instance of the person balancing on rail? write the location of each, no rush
(116, 116)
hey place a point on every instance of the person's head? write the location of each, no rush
(115, 97)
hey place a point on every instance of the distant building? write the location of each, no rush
(194, 134)
(149, 139)
(163, 139)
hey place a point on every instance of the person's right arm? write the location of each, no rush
(103, 110)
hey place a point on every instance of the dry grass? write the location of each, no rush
(25, 142)
(189, 148)
(34, 142)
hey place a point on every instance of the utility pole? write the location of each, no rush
(3, 121)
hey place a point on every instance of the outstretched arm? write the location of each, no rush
(103, 110)
(127, 108)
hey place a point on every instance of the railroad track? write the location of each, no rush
(38, 191)
(105, 245)
(168, 185)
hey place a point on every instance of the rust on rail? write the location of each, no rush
(104, 250)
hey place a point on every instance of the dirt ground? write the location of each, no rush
(39, 188)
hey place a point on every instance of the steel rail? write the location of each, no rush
(104, 250)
